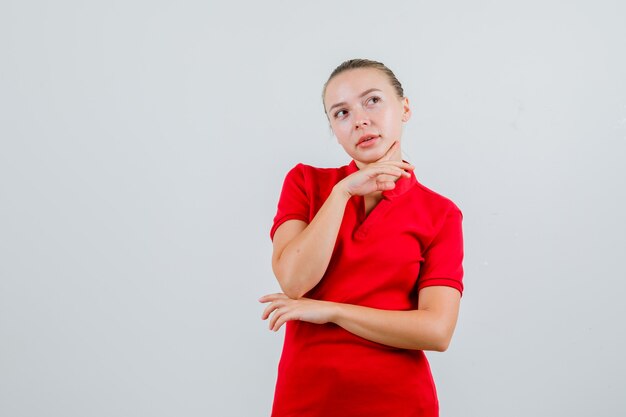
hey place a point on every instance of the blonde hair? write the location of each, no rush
(364, 63)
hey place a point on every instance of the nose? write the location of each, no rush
(361, 123)
(361, 120)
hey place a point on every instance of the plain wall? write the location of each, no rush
(143, 145)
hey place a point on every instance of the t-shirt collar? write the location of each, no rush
(403, 184)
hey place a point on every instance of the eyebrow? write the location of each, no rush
(343, 103)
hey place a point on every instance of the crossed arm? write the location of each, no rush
(301, 256)
(430, 327)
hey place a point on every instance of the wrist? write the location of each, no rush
(341, 191)
(335, 312)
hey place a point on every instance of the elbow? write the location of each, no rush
(290, 291)
(441, 340)
(288, 286)
(441, 346)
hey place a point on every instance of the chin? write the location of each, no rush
(369, 159)
(368, 156)
(371, 155)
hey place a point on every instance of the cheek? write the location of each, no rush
(389, 119)
(393, 119)
(341, 129)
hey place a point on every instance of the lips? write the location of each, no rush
(366, 138)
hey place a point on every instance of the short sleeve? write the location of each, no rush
(293, 203)
(443, 259)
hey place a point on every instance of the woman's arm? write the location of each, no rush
(301, 252)
(430, 327)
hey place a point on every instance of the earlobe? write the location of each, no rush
(406, 115)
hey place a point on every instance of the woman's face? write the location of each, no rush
(365, 113)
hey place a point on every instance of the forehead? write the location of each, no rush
(350, 84)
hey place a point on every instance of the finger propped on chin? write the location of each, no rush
(389, 152)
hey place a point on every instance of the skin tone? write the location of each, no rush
(366, 115)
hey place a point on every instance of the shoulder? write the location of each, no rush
(313, 170)
(309, 175)
(435, 199)
(434, 206)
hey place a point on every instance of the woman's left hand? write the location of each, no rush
(304, 309)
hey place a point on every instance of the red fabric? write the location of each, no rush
(412, 239)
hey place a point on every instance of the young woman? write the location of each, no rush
(369, 262)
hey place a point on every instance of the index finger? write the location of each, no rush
(271, 297)
(389, 152)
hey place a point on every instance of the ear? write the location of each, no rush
(406, 110)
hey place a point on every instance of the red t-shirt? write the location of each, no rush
(412, 239)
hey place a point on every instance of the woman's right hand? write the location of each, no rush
(377, 176)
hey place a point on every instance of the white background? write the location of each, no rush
(143, 145)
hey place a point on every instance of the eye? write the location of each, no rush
(340, 113)
(373, 100)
